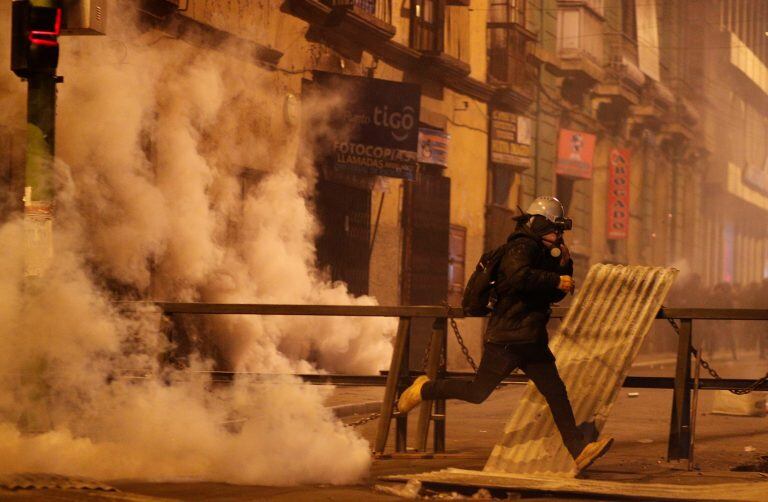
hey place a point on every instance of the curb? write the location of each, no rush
(673, 360)
(654, 362)
(346, 410)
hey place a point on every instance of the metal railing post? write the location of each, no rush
(401, 419)
(393, 377)
(679, 445)
(440, 414)
(694, 408)
(433, 366)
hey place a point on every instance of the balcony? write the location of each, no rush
(379, 9)
(508, 65)
(623, 81)
(580, 39)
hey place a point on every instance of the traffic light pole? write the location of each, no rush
(37, 25)
(39, 173)
(35, 29)
(41, 135)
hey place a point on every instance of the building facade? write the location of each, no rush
(646, 118)
(733, 82)
(402, 238)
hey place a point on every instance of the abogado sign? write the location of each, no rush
(618, 194)
(379, 124)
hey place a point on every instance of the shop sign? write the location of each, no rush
(380, 124)
(575, 150)
(433, 147)
(618, 194)
(510, 139)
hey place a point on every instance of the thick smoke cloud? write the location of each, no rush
(153, 139)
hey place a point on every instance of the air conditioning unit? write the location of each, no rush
(84, 17)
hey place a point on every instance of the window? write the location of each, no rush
(580, 33)
(507, 11)
(507, 42)
(427, 25)
(648, 39)
(502, 184)
(628, 21)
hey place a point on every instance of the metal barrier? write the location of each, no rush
(399, 377)
(681, 437)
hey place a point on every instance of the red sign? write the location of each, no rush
(618, 194)
(575, 150)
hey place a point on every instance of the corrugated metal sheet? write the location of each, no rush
(604, 490)
(595, 346)
(39, 481)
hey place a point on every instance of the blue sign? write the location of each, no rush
(379, 125)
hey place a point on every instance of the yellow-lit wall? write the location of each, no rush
(464, 118)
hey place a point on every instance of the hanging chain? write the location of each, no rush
(464, 348)
(705, 364)
(364, 420)
(425, 359)
(460, 339)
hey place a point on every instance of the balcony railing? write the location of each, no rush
(507, 56)
(380, 9)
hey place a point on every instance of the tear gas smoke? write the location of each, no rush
(153, 138)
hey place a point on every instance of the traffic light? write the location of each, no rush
(36, 27)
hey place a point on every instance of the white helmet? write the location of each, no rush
(551, 209)
(548, 207)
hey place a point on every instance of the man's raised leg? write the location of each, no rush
(497, 363)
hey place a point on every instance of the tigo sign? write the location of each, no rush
(379, 124)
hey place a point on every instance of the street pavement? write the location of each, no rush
(640, 425)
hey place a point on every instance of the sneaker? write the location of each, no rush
(592, 452)
(411, 396)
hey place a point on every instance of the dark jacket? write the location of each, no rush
(526, 285)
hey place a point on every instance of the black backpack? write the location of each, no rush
(477, 294)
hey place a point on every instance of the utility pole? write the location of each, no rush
(36, 27)
(34, 57)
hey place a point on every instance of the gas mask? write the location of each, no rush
(555, 251)
(561, 224)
